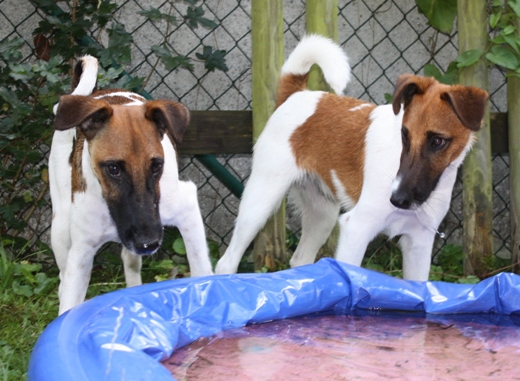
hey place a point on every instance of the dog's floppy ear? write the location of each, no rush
(407, 86)
(169, 116)
(84, 112)
(469, 104)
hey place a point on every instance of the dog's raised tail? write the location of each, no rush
(85, 76)
(313, 49)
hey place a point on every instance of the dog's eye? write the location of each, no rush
(157, 167)
(437, 142)
(114, 170)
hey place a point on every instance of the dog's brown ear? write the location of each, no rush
(169, 116)
(407, 86)
(84, 112)
(469, 104)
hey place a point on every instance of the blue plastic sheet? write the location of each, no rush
(125, 334)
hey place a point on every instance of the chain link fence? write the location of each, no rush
(382, 38)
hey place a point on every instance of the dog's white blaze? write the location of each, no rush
(135, 100)
(396, 183)
(357, 108)
(344, 199)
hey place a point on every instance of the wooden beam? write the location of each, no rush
(218, 132)
(228, 132)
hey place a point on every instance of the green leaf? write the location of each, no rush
(213, 59)
(194, 18)
(432, 71)
(469, 57)
(494, 18)
(172, 62)
(515, 6)
(504, 57)
(21, 289)
(178, 246)
(155, 14)
(440, 13)
(470, 279)
(513, 41)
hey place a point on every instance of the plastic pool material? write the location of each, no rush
(125, 334)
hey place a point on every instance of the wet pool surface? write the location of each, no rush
(354, 348)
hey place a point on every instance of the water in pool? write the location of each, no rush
(333, 347)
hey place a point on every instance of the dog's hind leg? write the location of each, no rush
(319, 215)
(262, 197)
(132, 267)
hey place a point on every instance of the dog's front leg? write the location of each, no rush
(76, 276)
(132, 267)
(357, 229)
(417, 248)
(185, 214)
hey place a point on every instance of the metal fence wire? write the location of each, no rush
(383, 39)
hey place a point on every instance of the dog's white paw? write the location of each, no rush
(225, 266)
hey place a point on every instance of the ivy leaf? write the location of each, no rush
(515, 6)
(513, 42)
(194, 18)
(10, 49)
(431, 70)
(504, 57)
(213, 59)
(494, 18)
(118, 46)
(155, 14)
(440, 13)
(172, 62)
(469, 57)
(178, 246)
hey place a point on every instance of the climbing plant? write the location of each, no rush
(503, 49)
(29, 90)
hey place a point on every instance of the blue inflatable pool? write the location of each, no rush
(124, 335)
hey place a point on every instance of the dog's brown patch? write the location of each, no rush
(288, 85)
(77, 180)
(138, 143)
(333, 139)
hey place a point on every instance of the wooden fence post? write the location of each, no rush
(477, 178)
(267, 61)
(321, 17)
(513, 107)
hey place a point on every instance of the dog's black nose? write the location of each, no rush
(147, 248)
(401, 201)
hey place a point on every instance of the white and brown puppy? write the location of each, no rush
(114, 177)
(392, 167)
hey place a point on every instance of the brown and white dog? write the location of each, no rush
(392, 167)
(114, 177)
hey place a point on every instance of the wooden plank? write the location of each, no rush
(321, 17)
(228, 132)
(218, 132)
(267, 60)
(513, 105)
(477, 195)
